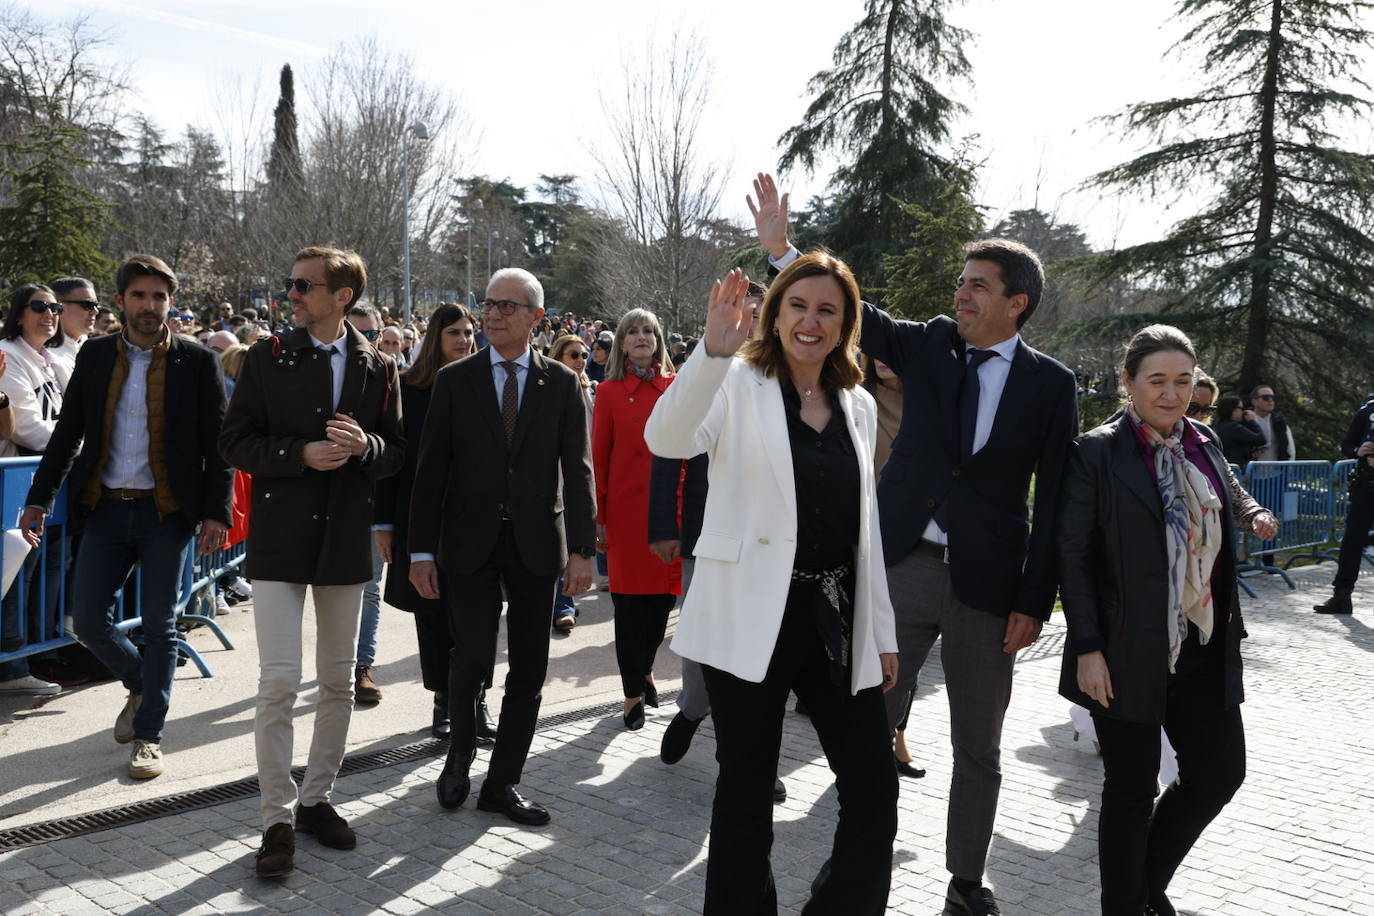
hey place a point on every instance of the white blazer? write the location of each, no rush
(733, 610)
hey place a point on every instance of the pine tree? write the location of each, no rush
(285, 173)
(52, 226)
(1278, 264)
(881, 109)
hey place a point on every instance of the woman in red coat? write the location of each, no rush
(643, 588)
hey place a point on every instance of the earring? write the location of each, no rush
(775, 331)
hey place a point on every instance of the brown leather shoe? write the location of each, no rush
(277, 855)
(323, 821)
(365, 689)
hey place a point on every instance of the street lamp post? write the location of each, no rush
(476, 204)
(421, 132)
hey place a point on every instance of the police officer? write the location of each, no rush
(1359, 444)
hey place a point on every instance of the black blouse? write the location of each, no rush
(826, 470)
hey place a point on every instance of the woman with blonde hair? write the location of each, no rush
(643, 588)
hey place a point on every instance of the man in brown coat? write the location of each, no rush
(315, 418)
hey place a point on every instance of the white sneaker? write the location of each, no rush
(146, 760)
(124, 722)
(240, 588)
(221, 604)
(29, 686)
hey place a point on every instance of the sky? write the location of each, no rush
(529, 73)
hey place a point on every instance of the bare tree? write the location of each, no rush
(51, 70)
(658, 185)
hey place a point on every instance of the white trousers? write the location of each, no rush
(278, 610)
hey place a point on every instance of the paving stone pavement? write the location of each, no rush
(629, 834)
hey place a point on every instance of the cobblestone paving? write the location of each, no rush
(629, 834)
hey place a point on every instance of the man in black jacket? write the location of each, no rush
(1359, 518)
(982, 412)
(143, 409)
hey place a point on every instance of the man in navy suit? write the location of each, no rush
(981, 413)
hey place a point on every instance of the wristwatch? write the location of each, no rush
(587, 552)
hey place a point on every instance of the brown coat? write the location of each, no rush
(311, 526)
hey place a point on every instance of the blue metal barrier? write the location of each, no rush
(1340, 489)
(47, 618)
(1242, 561)
(1299, 495)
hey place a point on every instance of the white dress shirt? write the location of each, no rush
(127, 466)
(498, 376)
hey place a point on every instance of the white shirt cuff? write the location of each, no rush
(780, 263)
(383, 527)
(422, 558)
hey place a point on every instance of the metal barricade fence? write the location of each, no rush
(36, 616)
(1340, 490)
(1242, 559)
(1300, 496)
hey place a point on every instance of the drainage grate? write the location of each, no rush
(111, 818)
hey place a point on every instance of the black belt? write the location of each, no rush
(118, 493)
(932, 549)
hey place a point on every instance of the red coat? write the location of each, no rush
(621, 462)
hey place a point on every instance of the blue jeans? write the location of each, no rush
(118, 534)
(563, 603)
(372, 610)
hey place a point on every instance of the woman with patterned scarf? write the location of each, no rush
(643, 588)
(1147, 576)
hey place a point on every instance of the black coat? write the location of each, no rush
(999, 561)
(1113, 575)
(542, 480)
(310, 526)
(665, 474)
(392, 507)
(1239, 439)
(200, 479)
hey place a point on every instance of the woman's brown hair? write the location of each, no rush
(561, 344)
(421, 373)
(765, 350)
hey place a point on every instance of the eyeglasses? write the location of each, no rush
(41, 307)
(304, 286)
(89, 305)
(1265, 397)
(504, 306)
(1201, 410)
(370, 335)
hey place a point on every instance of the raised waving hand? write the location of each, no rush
(727, 317)
(770, 215)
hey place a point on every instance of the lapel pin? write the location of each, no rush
(541, 381)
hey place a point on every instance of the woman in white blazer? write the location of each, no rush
(789, 592)
(30, 381)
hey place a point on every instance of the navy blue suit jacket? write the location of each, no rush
(999, 561)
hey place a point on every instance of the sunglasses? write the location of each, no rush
(89, 305)
(1265, 397)
(1201, 410)
(576, 355)
(370, 335)
(304, 286)
(41, 307)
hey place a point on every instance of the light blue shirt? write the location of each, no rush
(127, 466)
(337, 363)
(498, 374)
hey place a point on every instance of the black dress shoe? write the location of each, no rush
(779, 791)
(977, 902)
(1336, 604)
(486, 726)
(1159, 905)
(439, 728)
(677, 738)
(650, 694)
(904, 768)
(453, 787)
(513, 805)
(276, 855)
(634, 719)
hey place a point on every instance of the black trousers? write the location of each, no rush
(474, 615)
(854, 735)
(1140, 843)
(1358, 520)
(640, 621)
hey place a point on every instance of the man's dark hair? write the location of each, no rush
(1021, 270)
(1254, 392)
(756, 290)
(250, 313)
(238, 321)
(144, 265)
(67, 285)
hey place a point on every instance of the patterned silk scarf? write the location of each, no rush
(647, 373)
(1192, 532)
